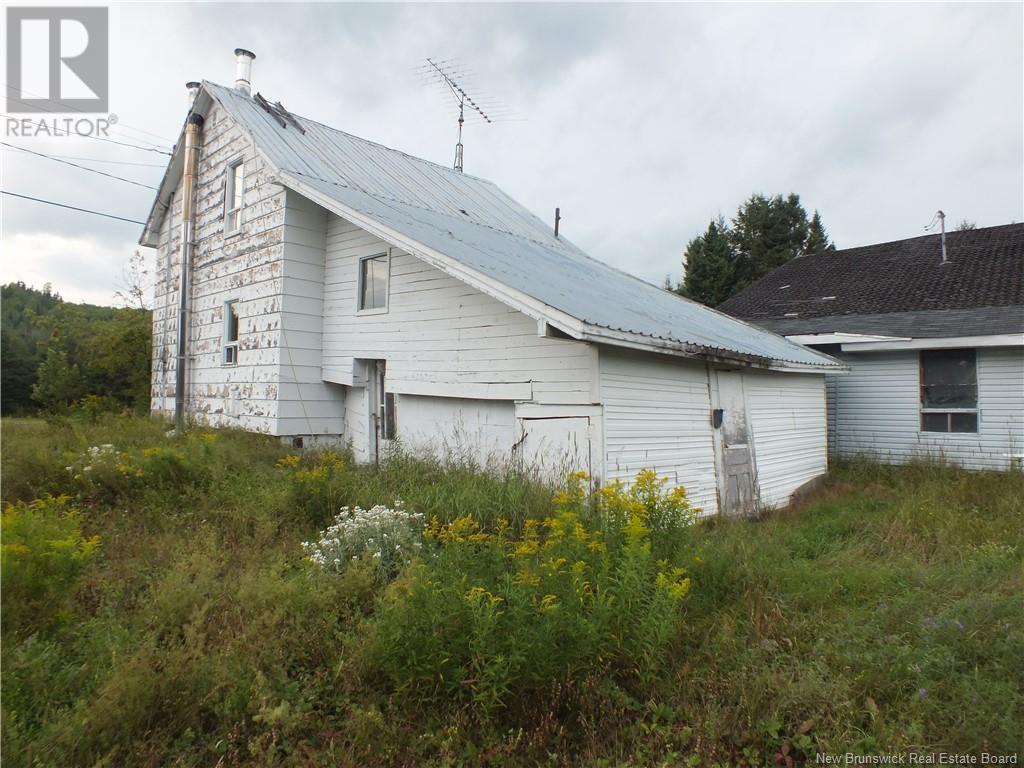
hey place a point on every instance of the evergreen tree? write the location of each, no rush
(709, 265)
(817, 238)
(766, 233)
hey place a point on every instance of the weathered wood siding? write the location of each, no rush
(278, 286)
(877, 410)
(657, 416)
(441, 337)
(786, 413)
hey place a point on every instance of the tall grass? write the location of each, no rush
(886, 613)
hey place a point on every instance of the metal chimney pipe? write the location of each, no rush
(193, 91)
(942, 224)
(243, 70)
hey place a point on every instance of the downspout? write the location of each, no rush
(193, 128)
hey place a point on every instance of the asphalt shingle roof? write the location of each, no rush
(897, 288)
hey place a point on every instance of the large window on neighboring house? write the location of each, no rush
(949, 390)
(231, 333)
(373, 283)
(234, 195)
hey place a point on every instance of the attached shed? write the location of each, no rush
(338, 290)
(934, 342)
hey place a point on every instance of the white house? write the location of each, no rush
(933, 333)
(336, 289)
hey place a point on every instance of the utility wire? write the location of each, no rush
(100, 138)
(76, 165)
(112, 162)
(70, 207)
(23, 92)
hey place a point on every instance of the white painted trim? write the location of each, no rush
(841, 338)
(472, 391)
(950, 342)
(235, 162)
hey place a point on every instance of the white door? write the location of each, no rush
(555, 447)
(383, 419)
(737, 473)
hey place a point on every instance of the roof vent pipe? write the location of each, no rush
(243, 70)
(193, 91)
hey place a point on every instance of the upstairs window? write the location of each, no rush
(234, 192)
(949, 390)
(231, 333)
(373, 283)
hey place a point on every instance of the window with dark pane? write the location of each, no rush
(230, 332)
(949, 390)
(373, 283)
(949, 378)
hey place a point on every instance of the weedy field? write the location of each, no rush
(203, 600)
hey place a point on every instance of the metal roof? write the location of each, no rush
(473, 222)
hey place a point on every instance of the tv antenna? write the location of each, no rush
(453, 78)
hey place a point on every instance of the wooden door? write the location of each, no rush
(737, 481)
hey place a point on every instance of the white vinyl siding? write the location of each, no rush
(787, 419)
(657, 415)
(877, 410)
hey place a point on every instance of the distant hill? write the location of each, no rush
(78, 349)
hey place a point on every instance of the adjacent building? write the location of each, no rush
(933, 334)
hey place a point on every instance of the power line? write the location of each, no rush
(23, 92)
(71, 207)
(112, 162)
(76, 165)
(100, 138)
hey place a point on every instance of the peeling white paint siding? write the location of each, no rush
(877, 410)
(786, 415)
(440, 336)
(267, 390)
(657, 413)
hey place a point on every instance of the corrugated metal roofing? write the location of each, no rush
(472, 221)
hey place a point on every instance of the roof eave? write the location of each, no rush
(150, 236)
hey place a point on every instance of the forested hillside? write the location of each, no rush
(56, 355)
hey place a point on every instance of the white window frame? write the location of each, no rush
(948, 412)
(229, 355)
(229, 196)
(360, 310)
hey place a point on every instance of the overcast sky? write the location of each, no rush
(640, 121)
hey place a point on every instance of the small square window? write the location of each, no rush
(373, 282)
(935, 422)
(231, 333)
(234, 196)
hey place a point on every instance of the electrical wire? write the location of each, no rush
(71, 110)
(76, 165)
(111, 162)
(70, 207)
(100, 138)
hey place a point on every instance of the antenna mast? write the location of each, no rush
(444, 73)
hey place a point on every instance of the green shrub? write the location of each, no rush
(43, 552)
(491, 617)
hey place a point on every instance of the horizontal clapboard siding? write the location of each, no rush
(877, 410)
(786, 413)
(657, 416)
(440, 331)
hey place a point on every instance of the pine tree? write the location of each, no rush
(817, 237)
(709, 265)
(766, 233)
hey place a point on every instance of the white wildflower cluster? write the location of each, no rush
(94, 455)
(390, 536)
